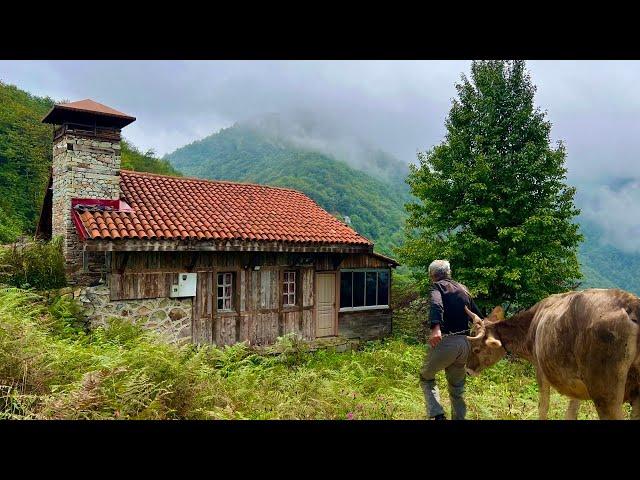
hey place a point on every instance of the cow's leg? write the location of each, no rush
(572, 409)
(635, 408)
(609, 401)
(609, 410)
(543, 396)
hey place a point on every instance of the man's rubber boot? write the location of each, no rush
(439, 417)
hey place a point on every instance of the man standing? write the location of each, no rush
(447, 318)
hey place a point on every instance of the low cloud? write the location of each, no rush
(616, 210)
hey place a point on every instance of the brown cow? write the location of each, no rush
(585, 344)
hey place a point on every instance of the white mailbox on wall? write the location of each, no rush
(186, 286)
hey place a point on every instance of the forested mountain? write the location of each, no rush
(605, 266)
(244, 153)
(25, 160)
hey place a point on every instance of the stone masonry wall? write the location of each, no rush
(365, 324)
(82, 168)
(170, 317)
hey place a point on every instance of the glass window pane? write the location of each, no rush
(358, 289)
(285, 300)
(227, 303)
(345, 289)
(220, 279)
(383, 288)
(371, 288)
(220, 303)
(292, 299)
(285, 288)
(219, 292)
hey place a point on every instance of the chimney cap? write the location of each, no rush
(87, 110)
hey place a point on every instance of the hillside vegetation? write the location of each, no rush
(25, 160)
(605, 266)
(241, 153)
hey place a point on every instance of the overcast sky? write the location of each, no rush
(399, 106)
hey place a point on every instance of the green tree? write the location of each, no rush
(492, 196)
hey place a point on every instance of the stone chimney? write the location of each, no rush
(86, 166)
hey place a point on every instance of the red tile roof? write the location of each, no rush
(88, 105)
(61, 111)
(164, 207)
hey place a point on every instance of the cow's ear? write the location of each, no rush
(492, 341)
(497, 314)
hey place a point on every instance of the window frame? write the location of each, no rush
(231, 287)
(296, 276)
(366, 307)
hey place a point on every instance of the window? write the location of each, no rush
(289, 289)
(364, 289)
(225, 291)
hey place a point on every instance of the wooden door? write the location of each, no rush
(325, 304)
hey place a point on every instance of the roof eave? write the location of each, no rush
(101, 244)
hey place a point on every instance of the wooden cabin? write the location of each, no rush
(207, 261)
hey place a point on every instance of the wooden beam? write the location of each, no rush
(210, 246)
(123, 266)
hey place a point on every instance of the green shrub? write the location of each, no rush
(37, 264)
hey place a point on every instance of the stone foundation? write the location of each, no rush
(365, 324)
(171, 317)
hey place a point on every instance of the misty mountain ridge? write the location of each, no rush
(273, 149)
(273, 152)
(305, 130)
(613, 207)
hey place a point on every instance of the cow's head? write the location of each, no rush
(486, 348)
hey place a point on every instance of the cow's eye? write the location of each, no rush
(476, 350)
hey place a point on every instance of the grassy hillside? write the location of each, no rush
(25, 160)
(240, 153)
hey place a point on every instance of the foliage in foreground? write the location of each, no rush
(51, 368)
(33, 264)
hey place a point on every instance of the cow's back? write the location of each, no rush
(590, 334)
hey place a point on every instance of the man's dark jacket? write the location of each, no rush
(448, 299)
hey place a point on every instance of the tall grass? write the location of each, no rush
(52, 368)
(34, 264)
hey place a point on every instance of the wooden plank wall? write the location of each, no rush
(259, 316)
(131, 286)
(363, 261)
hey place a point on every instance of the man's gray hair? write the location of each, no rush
(440, 269)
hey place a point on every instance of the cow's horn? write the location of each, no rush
(473, 316)
(477, 322)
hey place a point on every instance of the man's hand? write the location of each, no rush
(435, 337)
